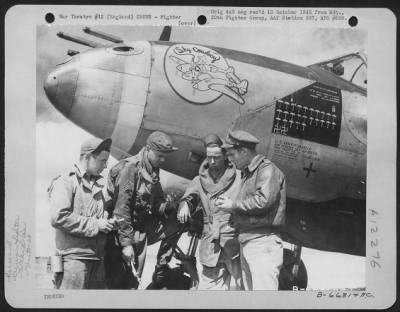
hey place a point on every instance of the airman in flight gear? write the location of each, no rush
(78, 215)
(219, 246)
(145, 215)
(258, 213)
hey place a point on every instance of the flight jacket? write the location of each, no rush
(261, 204)
(134, 193)
(76, 205)
(217, 231)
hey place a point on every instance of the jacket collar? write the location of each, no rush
(84, 176)
(224, 182)
(147, 171)
(254, 164)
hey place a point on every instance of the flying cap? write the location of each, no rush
(161, 142)
(95, 145)
(212, 138)
(240, 138)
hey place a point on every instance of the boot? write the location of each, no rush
(160, 276)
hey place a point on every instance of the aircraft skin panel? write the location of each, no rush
(257, 60)
(138, 60)
(260, 124)
(303, 134)
(177, 113)
(181, 118)
(129, 120)
(200, 75)
(338, 225)
(103, 60)
(95, 108)
(355, 121)
(266, 85)
(199, 110)
(311, 114)
(135, 86)
(88, 101)
(63, 84)
(97, 83)
(313, 72)
(110, 91)
(308, 149)
(312, 169)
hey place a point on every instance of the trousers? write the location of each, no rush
(118, 273)
(221, 276)
(81, 274)
(261, 261)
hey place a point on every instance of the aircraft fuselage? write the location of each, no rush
(311, 123)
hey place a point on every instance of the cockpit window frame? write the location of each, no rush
(356, 71)
(338, 59)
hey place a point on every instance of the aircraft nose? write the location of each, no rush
(60, 88)
(50, 86)
(104, 92)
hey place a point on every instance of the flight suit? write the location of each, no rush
(219, 246)
(259, 214)
(137, 199)
(76, 203)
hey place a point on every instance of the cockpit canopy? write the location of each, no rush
(351, 67)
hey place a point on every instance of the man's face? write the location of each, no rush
(96, 164)
(238, 157)
(215, 157)
(157, 158)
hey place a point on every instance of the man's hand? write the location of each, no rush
(114, 221)
(128, 254)
(105, 225)
(183, 212)
(225, 204)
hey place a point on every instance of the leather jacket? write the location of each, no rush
(134, 193)
(261, 204)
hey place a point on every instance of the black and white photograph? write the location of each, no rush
(172, 157)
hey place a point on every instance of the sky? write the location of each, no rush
(58, 140)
